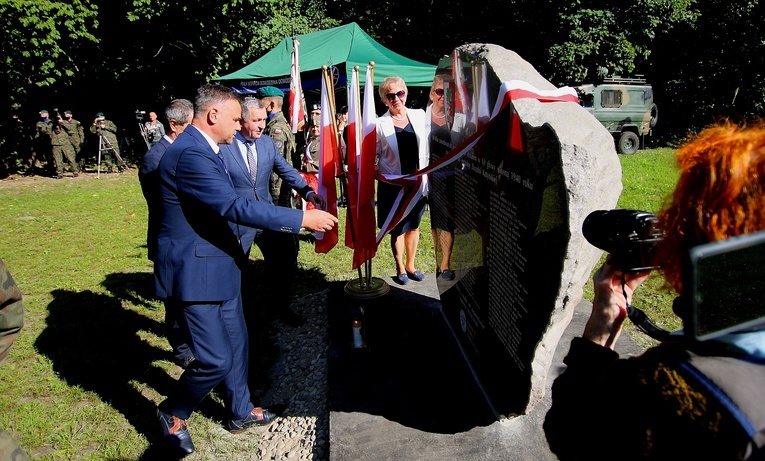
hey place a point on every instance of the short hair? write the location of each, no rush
(388, 82)
(720, 193)
(278, 101)
(179, 110)
(209, 94)
(438, 81)
(249, 103)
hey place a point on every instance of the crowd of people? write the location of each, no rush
(59, 145)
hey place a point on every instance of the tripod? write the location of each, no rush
(144, 135)
(105, 146)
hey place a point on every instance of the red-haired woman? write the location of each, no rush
(654, 406)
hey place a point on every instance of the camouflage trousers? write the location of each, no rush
(59, 152)
(281, 193)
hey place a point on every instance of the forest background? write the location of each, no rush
(704, 58)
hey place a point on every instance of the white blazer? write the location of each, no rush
(388, 161)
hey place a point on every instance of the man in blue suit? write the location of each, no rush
(199, 261)
(178, 115)
(252, 157)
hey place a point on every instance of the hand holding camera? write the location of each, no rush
(630, 237)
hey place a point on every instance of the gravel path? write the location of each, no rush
(299, 379)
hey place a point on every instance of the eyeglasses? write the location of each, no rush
(439, 91)
(392, 96)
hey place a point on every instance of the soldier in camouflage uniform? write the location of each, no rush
(76, 133)
(11, 321)
(279, 130)
(62, 147)
(41, 141)
(109, 147)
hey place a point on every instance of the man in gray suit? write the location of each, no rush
(252, 157)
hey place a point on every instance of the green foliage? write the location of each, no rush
(713, 67)
(41, 41)
(595, 34)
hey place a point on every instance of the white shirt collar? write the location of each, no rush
(210, 141)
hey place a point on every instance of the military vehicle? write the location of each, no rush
(625, 107)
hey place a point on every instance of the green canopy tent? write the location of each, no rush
(341, 48)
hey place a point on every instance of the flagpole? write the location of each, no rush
(366, 286)
(343, 175)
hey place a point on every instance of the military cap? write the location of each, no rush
(43, 111)
(267, 91)
(67, 111)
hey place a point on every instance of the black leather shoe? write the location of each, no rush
(176, 433)
(257, 417)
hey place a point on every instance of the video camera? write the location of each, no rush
(630, 236)
(140, 114)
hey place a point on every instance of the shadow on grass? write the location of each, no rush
(93, 342)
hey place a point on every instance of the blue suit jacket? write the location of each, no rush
(149, 178)
(269, 160)
(199, 255)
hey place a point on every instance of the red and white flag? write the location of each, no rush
(352, 154)
(481, 112)
(461, 99)
(518, 89)
(328, 161)
(297, 100)
(365, 246)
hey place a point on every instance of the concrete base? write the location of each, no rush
(410, 395)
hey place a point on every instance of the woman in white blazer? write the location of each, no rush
(402, 148)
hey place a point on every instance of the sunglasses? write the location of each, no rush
(439, 91)
(392, 96)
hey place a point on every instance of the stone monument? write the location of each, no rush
(515, 202)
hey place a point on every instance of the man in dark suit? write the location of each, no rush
(252, 158)
(199, 261)
(178, 115)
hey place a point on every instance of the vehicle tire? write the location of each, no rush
(628, 143)
(654, 115)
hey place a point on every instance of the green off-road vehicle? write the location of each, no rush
(625, 107)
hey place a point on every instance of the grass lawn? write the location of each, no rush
(83, 376)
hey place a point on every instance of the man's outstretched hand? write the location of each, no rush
(318, 220)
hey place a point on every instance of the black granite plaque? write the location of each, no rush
(504, 203)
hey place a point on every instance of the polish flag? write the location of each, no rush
(328, 161)
(352, 154)
(365, 246)
(462, 101)
(481, 110)
(297, 101)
